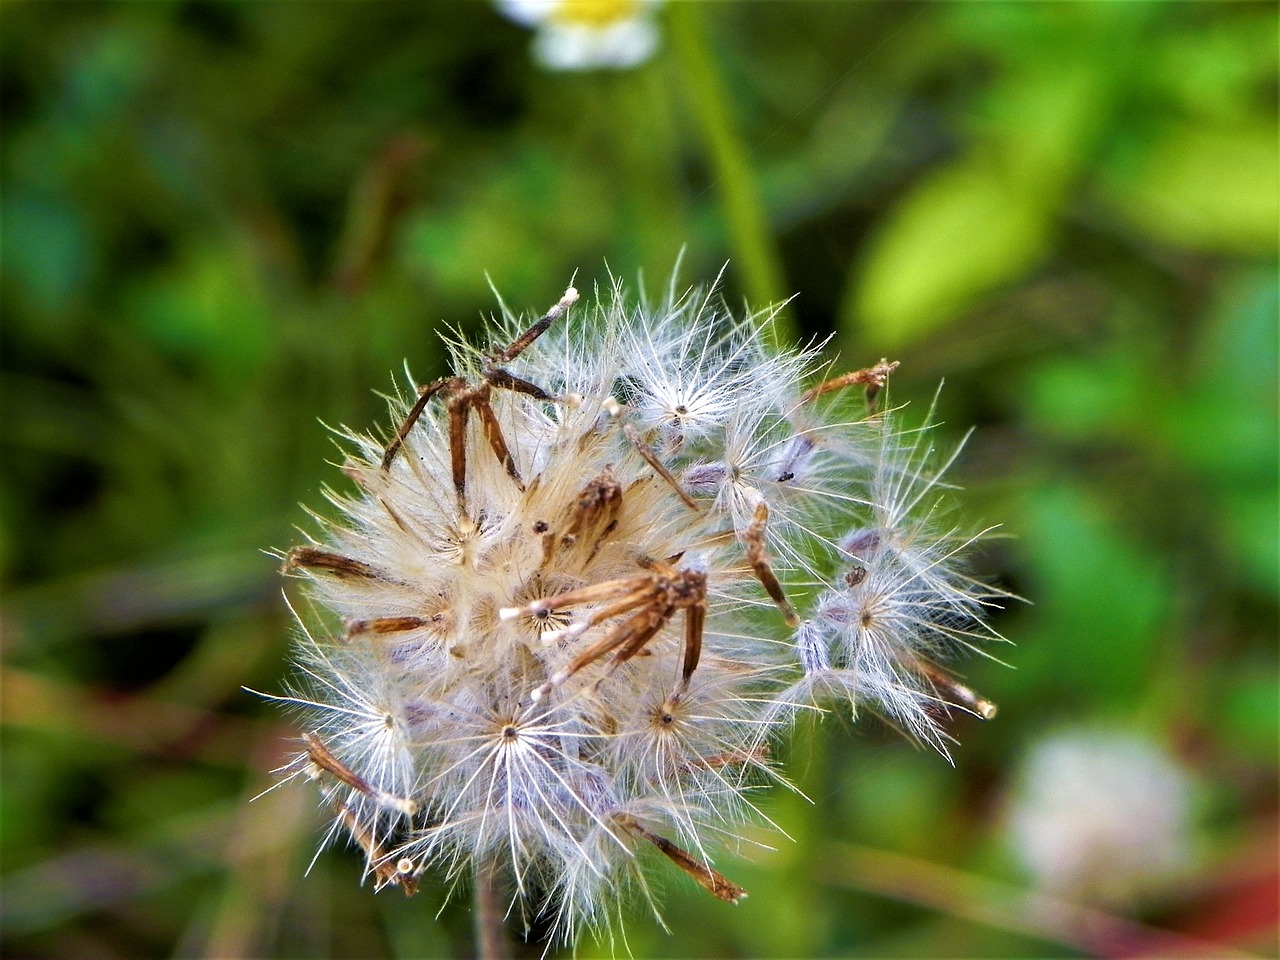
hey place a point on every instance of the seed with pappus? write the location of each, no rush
(591, 577)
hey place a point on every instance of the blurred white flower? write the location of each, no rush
(1102, 817)
(587, 34)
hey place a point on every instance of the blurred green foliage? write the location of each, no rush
(223, 221)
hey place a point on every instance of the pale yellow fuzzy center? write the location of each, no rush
(594, 13)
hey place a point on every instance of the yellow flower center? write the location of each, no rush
(594, 13)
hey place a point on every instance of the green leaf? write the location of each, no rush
(1081, 398)
(959, 234)
(1205, 188)
(1043, 121)
(1101, 599)
(210, 307)
(48, 251)
(1250, 522)
(1250, 714)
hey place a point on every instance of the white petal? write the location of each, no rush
(574, 47)
(530, 13)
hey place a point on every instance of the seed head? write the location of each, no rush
(568, 592)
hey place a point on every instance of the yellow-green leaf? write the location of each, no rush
(959, 234)
(1206, 188)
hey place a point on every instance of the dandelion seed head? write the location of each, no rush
(561, 626)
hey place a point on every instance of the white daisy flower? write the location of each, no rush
(1102, 817)
(588, 34)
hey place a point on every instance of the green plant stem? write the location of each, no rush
(988, 902)
(749, 236)
(804, 927)
(491, 936)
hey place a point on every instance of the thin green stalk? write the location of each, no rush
(991, 903)
(745, 217)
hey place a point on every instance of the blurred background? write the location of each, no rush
(228, 224)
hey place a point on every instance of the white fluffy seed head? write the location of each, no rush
(557, 638)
